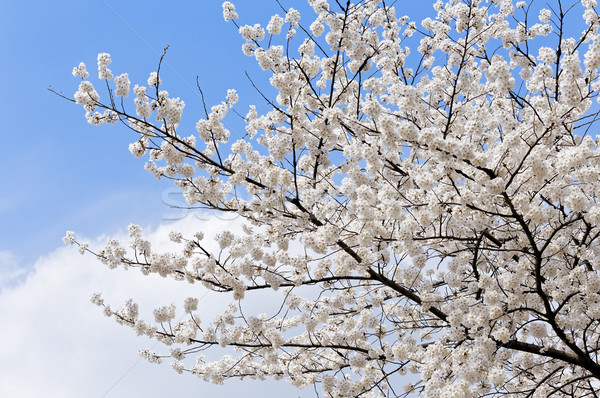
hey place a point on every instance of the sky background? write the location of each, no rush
(59, 173)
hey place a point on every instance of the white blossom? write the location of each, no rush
(409, 197)
(292, 17)
(229, 11)
(545, 15)
(122, 82)
(275, 25)
(81, 71)
(154, 80)
(103, 62)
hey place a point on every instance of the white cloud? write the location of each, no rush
(10, 270)
(54, 342)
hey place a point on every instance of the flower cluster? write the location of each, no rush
(154, 80)
(87, 96)
(122, 82)
(417, 198)
(103, 62)
(229, 11)
(81, 71)
(141, 101)
(275, 25)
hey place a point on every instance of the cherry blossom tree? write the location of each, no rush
(420, 197)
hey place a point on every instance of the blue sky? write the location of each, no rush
(59, 173)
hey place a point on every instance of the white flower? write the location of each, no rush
(502, 334)
(164, 314)
(292, 16)
(275, 25)
(175, 236)
(137, 149)
(317, 28)
(83, 247)
(400, 200)
(545, 15)
(229, 11)
(81, 71)
(122, 82)
(154, 80)
(103, 62)
(87, 96)
(232, 97)
(191, 304)
(69, 238)
(96, 298)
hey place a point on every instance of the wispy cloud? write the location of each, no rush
(10, 270)
(55, 342)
